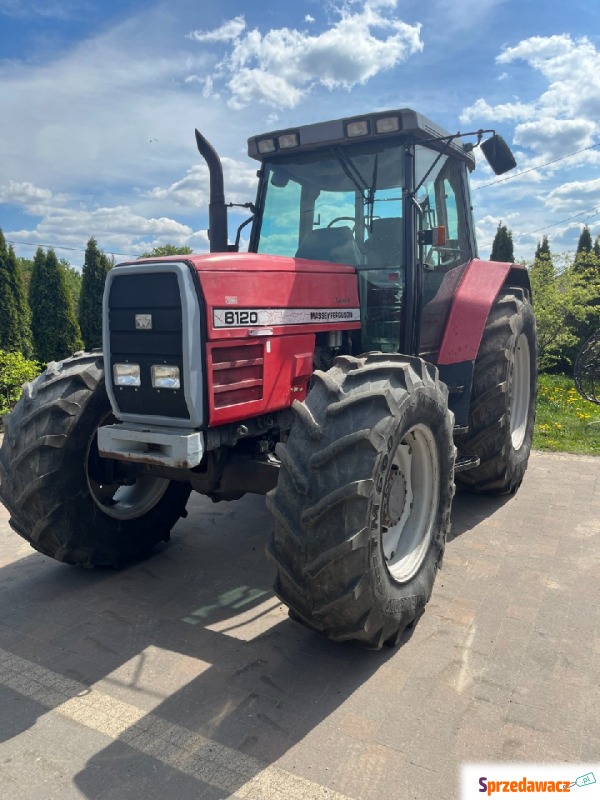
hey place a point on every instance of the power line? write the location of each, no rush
(592, 212)
(63, 247)
(539, 166)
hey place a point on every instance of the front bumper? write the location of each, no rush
(169, 447)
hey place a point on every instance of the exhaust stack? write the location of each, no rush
(217, 210)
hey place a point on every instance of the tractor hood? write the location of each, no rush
(251, 294)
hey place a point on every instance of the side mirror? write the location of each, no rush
(436, 237)
(498, 154)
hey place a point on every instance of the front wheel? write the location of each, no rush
(362, 506)
(64, 499)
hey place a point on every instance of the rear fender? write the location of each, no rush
(471, 306)
(468, 315)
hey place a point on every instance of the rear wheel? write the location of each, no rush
(503, 398)
(362, 506)
(63, 498)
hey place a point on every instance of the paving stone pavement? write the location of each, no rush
(182, 677)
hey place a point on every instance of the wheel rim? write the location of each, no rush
(410, 501)
(521, 392)
(120, 499)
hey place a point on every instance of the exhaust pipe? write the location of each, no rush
(217, 210)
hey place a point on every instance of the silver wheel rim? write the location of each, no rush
(520, 392)
(410, 503)
(125, 502)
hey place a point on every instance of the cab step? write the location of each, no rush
(466, 462)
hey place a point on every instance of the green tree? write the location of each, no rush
(14, 372)
(73, 281)
(503, 248)
(95, 268)
(25, 267)
(168, 250)
(15, 330)
(597, 247)
(72, 277)
(584, 245)
(543, 248)
(585, 257)
(565, 308)
(54, 326)
(23, 310)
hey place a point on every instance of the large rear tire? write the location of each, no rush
(55, 486)
(503, 398)
(362, 506)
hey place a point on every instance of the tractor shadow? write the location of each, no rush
(469, 510)
(195, 638)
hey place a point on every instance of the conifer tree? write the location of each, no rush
(502, 248)
(585, 258)
(597, 246)
(95, 268)
(15, 332)
(585, 241)
(22, 306)
(9, 320)
(54, 326)
(543, 248)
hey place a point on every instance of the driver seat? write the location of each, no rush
(384, 247)
(336, 245)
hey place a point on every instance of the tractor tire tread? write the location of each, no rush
(38, 473)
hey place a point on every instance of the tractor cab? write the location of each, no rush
(387, 193)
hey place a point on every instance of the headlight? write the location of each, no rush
(165, 377)
(287, 140)
(126, 374)
(266, 146)
(387, 124)
(358, 128)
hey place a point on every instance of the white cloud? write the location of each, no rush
(279, 68)
(88, 116)
(116, 222)
(228, 31)
(25, 195)
(308, 18)
(565, 116)
(556, 137)
(482, 110)
(64, 222)
(574, 195)
(191, 192)
(572, 69)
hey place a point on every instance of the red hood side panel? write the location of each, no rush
(247, 292)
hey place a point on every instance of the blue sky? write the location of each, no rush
(100, 99)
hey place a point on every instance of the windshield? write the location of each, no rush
(345, 205)
(342, 205)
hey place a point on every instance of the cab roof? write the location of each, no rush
(381, 125)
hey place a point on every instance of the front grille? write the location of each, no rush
(156, 294)
(237, 374)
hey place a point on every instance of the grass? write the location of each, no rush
(565, 422)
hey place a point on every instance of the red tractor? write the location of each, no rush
(354, 364)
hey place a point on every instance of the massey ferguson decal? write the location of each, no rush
(269, 317)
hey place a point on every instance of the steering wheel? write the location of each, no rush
(339, 219)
